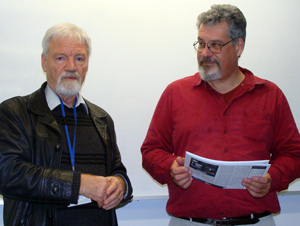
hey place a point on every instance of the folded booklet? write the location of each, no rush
(224, 174)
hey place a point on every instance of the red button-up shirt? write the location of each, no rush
(256, 124)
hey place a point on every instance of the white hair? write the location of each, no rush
(61, 31)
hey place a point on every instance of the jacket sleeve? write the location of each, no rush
(117, 167)
(24, 174)
(157, 148)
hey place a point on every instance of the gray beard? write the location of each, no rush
(209, 73)
(68, 88)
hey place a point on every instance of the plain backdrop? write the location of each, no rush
(138, 48)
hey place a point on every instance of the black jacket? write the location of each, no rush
(30, 153)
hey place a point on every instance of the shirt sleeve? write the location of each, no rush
(285, 156)
(157, 148)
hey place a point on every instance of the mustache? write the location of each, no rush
(208, 60)
(70, 74)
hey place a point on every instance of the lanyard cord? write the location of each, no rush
(71, 149)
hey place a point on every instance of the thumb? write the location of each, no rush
(180, 161)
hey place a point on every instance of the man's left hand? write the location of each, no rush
(115, 192)
(258, 187)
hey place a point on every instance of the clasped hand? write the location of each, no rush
(258, 187)
(108, 192)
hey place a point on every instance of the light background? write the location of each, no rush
(138, 48)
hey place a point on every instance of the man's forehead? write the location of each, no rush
(65, 44)
(214, 32)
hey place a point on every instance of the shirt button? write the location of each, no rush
(54, 190)
(221, 213)
(226, 193)
(225, 131)
(225, 113)
(225, 150)
(57, 147)
(219, 96)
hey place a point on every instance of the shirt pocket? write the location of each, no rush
(256, 126)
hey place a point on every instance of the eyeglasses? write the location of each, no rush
(214, 47)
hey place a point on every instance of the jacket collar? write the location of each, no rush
(94, 110)
(37, 102)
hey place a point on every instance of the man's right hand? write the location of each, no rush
(94, 187)
(180, 174)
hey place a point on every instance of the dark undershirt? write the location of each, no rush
(90, 157)
(228, 96)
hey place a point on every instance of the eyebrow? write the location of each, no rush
(214, 40)
(65, 54)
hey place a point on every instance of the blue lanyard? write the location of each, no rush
(71, 149)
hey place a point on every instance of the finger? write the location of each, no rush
(186, 183)
(183, 182)
(181, 176)
(259, 185)
(250, 184)
(179, 170)
(113, 187)
(111, 198)
(257, 192)
(115, 194)
(113, 203)
(257, 195)
(261, 180)
(257, 182)
(110, 205)
(100, 204)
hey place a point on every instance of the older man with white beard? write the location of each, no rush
(42, 133)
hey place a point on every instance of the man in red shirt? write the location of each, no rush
(225, 113)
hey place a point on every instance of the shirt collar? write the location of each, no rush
(53, 100)
(250, 79)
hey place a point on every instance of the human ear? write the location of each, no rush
(240, 47)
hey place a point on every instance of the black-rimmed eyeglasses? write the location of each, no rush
(214, 47)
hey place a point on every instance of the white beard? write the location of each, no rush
(68, 88)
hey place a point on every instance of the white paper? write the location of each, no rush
(224, 174)
(81, 200)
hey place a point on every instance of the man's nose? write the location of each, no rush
(206, 52)
(70, 66)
